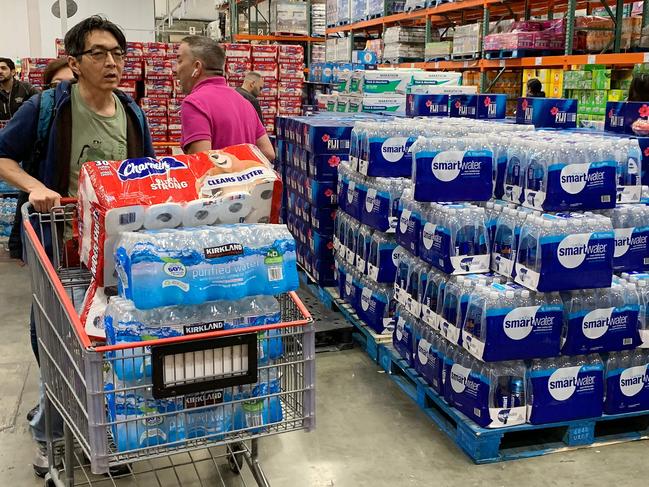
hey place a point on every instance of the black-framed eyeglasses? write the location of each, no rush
(99, 54)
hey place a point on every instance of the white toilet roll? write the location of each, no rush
(110, 275)
(262, 192)
(258, 215)
(124, 219)
(200, 212)
(164, 215)
(233, 207)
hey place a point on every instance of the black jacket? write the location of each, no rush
(255, 103)
(11, 102)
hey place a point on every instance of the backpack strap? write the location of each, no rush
(45, 116)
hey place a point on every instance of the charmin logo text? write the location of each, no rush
(142, 168)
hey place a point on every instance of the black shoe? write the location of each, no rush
(40, 464)
(32, 412)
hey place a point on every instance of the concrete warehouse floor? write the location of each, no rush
(368, 432)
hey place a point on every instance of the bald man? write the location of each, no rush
(251, 89)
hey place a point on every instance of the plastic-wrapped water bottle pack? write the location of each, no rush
(559, 172)
(191, 266)
(7, 214)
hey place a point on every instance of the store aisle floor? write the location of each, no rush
(368, 432)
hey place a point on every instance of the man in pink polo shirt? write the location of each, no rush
(214, 115)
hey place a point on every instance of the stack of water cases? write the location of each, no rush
(185, 281)
(504, 243)
(310, 150)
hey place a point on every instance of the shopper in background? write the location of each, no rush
(214, 115)
(639, 89)
(56, 71)
(251, 88)
(535, 89)
(83, 121)
(13, 93)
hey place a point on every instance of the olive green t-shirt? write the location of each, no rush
(94, 137)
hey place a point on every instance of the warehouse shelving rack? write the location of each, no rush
(448, 15)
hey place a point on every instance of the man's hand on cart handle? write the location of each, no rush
(44, 199)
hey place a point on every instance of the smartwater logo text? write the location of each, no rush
(633, 380)
(585, 178)
(142, 168)
(394, 148)
(572, 382)
(520, 322)
(573, 249)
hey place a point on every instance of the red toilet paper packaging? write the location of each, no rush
(233, 185)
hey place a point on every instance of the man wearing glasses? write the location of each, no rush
(13, 93)
(90, 121)
(87, 120)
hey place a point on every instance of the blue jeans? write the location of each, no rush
(37, 424)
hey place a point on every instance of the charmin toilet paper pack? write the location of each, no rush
(231, 185)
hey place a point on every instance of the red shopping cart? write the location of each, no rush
(198, 398)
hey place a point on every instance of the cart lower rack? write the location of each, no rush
(199, 396)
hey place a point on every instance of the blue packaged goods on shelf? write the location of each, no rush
(452, 169)
(559, 113)
(326, 137)
(382, 149)
(565, 389)
(614, 121)
(364, 57)
(627, 382)
(492, 395)
(402, 337)
(321, 193)
(324, 167)
(191, 266)
(429, 356)
(322, 219)
(601, 320)
(321, 245)
(381, 207)
(491, 106)
(423, 105)
(631, 225)
(323, 271)
(408, 230)
(560, 174)
(363, 240)
(506, 239)
(356, 192)
(507, 322)
(565, 251)
(455, 239)
(377, 307)
(383, 257)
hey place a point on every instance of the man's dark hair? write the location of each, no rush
(208, 52)
(75, 39)
(639, 89)
(8, 62)
(52, 68)
(534, 85)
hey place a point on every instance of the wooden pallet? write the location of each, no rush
(465, 57)
(485, 445)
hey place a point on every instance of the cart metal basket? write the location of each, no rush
(168, 403)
